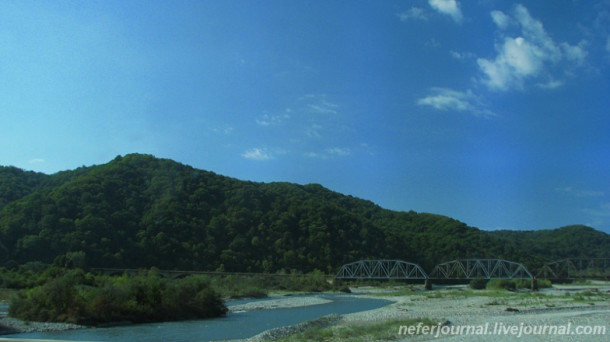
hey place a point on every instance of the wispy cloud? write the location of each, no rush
(448, 99)
(310, 123)
(318, 104)
(527, 55)
(551, 84)
(224, 130)
(501, 19)
(461, 55)
(448, 7)
(36, 161)
(580, 192)
(273, 120)
(257, 154)
(603, 210)
(329, 153)
(598, 216)
(413, 13)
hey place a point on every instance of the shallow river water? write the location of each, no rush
(237, 325)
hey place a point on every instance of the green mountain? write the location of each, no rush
(142, 211)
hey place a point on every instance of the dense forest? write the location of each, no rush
(138, 211)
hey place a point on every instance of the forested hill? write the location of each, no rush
(141, 211)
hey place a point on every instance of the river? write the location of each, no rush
(238, 325)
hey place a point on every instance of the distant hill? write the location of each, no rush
(142, 211)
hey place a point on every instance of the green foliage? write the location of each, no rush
(544, 283)
(139, 211)
(57, 300)
(257, 286)
(77, 298)
(16, 183)
(502, 284)
(478, 284)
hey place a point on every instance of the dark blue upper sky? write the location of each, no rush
(495, 113)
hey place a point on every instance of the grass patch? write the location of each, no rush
(590, 295)
(501, 284)
(377, 331)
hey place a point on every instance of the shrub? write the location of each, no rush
(502, 284)
(544, 283)
(57, 300)
(478, 284)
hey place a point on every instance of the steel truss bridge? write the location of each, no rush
(465, 269)
(576, 268)
(381, 269)
(480, 268)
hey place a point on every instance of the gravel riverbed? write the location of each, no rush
(279, 303)
(565, 307)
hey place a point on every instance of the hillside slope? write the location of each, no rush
(142, 211)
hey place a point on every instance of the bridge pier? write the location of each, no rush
(534, 284)
(428, 284)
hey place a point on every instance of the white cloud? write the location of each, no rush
(575, 53)
(580, 192)
(329, 153)
(602, 210)
(323, 107)
(528, 55)
(551, 84)
(273, 120)
(225, 130)
(461, 55)
(432, 43)
(313, 131)
(447, 7)
(448, 99)
(501, 19)
(36, 161)
(257, 154)
(338, 151)
(413, 13)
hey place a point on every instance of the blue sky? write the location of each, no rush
(495, 113)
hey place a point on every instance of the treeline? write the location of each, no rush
(76, 297)
(139, 211)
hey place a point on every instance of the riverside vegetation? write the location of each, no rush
(56, 294)
(76, 297)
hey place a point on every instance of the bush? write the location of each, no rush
(144, 298)
(502, 284)
(544, 283)
(478, 284)
(56, 300)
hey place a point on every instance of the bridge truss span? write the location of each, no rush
(576, 268)
(480, 268)
(381, 270)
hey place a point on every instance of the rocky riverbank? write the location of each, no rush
(278, 302)
(9, 325)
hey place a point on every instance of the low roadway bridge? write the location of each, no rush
(181, 274)
(593, 268)
(480, 268)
